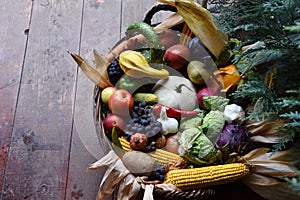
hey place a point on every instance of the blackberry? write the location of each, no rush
(114, 71)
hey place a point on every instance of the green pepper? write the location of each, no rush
(135, 84)
(127, 83)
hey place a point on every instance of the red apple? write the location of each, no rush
(177, 56)
(121, 102)
(106, 93)
(168, 38)
(114, 121)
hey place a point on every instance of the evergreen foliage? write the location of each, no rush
(271, 68)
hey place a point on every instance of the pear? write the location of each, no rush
(197, 72)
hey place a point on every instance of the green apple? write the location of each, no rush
(106, 94)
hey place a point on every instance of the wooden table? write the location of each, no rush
(47, 135)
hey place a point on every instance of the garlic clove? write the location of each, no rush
(233, 113)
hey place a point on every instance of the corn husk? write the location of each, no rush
(267, 169)
(278, 191)
(171, 21)
(270, 164)
(115, 174)
(267, 130)
(201, 23)
(101, 64)
(99, 75)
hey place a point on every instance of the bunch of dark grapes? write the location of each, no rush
(158, 174)
(114, 71)
(143, 122)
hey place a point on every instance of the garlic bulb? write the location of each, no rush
(233, 113)
(169, 125)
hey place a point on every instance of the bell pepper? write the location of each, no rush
(126, 83)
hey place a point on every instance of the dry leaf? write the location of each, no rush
(260, 180)
(256, 153)
(229, 76)
(269, 126)
(201, 23)
(267, 167)
(274, 170)
(171, 21)
(269, 189)
(268, 139)
(129, 188)
(91, 73)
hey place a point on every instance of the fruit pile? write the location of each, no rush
(177, 93)
(165, 95)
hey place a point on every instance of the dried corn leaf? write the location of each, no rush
(266, 168)
(112, 177)
(129, 188)
(270, 188)
(201, 23)
(101, 64)
(279, 156)
(267, 130)
(260, 180)
(108, 160)
(91, 73)
(171, 21)
(115, 174)
(274, 170)
(256, 153)
(270, 164)
(268, 139)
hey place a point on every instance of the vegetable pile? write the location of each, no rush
(164, 92)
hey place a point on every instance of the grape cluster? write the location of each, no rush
(143, 122)
(158, 174)
(114, 71)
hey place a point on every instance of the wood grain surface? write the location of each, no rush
(37, 166)
(13, 40)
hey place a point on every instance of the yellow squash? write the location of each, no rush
(134, 64)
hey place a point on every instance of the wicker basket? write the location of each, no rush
(234, 190)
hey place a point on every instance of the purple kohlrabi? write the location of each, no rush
(233, 139)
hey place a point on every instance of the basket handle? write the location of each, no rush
(165, 7)
(156, 9)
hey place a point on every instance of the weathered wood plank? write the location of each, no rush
(37, 165)
(133, 10)
(100, 29)
(12, 49)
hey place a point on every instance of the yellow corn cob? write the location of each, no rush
(161, 156)
(125, 144)
(195, 178)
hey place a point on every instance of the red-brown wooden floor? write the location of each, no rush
(47, 136)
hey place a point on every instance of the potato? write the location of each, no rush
(138, 163)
